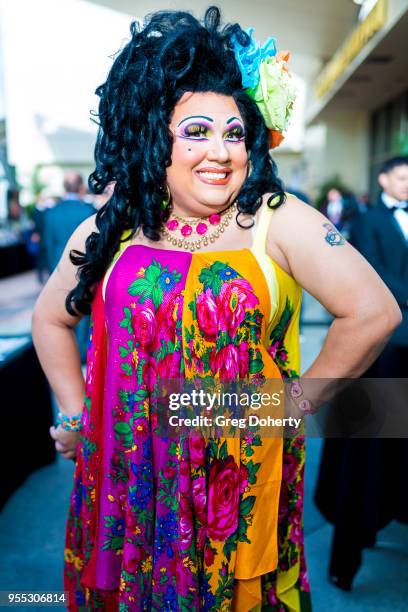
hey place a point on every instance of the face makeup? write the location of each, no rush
(209, 157)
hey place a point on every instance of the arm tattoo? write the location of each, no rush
(333, 237)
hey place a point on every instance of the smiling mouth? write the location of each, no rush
(214, 176)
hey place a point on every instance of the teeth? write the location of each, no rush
(214, 175)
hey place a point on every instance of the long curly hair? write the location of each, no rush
(172, 53)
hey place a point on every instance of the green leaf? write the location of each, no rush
(157, 296)
(126, 368)
(122, 428)
(249, 451)
(124, 323)
(246, 505)
(130, 345)
(140, 371)
(252, 469)
(279, 330)
(117, 543)
(140, 395)
(193, 307)
(229, 546)
(123, 351)
(140, 287)
(213, 449)
(255, 366)
(223, 452)
(109, 521)
(153, 272)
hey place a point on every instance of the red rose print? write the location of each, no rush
(235, 297)
(207, 314)
(144, 324)
(223, 499)
(197, 447)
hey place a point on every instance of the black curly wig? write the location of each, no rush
(171, 54)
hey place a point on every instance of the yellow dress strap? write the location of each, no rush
(264, 261)
(262, 226)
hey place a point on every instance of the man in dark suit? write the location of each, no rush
(359, 485)
(59, 223)
(381, 235)
(61, 220)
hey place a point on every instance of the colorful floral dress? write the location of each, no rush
(194, 522)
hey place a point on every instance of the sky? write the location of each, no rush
(55, 54)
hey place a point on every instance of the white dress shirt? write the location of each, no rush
(401, 216)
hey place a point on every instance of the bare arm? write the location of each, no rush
(342, 281)
(53, 334)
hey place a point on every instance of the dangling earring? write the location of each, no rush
(166, 197)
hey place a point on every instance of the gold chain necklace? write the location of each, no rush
(189, 222)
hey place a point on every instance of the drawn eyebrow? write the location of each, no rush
(232, 119)
(195, 117)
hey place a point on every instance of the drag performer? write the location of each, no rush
(193, 269)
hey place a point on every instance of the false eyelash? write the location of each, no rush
(195, 128)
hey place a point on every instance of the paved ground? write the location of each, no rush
(32, 523)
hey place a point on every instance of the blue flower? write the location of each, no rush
(143, 471)
(250, 57)
(118, 528)
(80, 599)
(166, 281)
(170, 598)
(228, 273)
(166, 532)
(140, 495)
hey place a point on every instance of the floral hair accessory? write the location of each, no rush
(267, 81)
(249, 58)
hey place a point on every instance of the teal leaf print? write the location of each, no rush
(279, 330)
(242, 529)
(141, 287)
(153, 272)
(140, 395)
(210, 280)
(122, 428)
(223, 454)
(255, 364)
(246, 505)
(123, 351)
(252, 470)
(157, 296)
(127, 321)
(140, 371)
(126, 368)
(213, 449)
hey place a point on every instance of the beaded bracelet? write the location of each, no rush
(71, 422)
(296, 391)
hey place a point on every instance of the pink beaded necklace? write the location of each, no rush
(189, 226)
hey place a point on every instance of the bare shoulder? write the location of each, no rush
(291, 218)
(85, 229)
(293, 213)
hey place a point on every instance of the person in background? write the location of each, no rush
(61, 220)
(59, 224)
(341, 208)
(381, 235)
(359, 483)
(44, 202)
